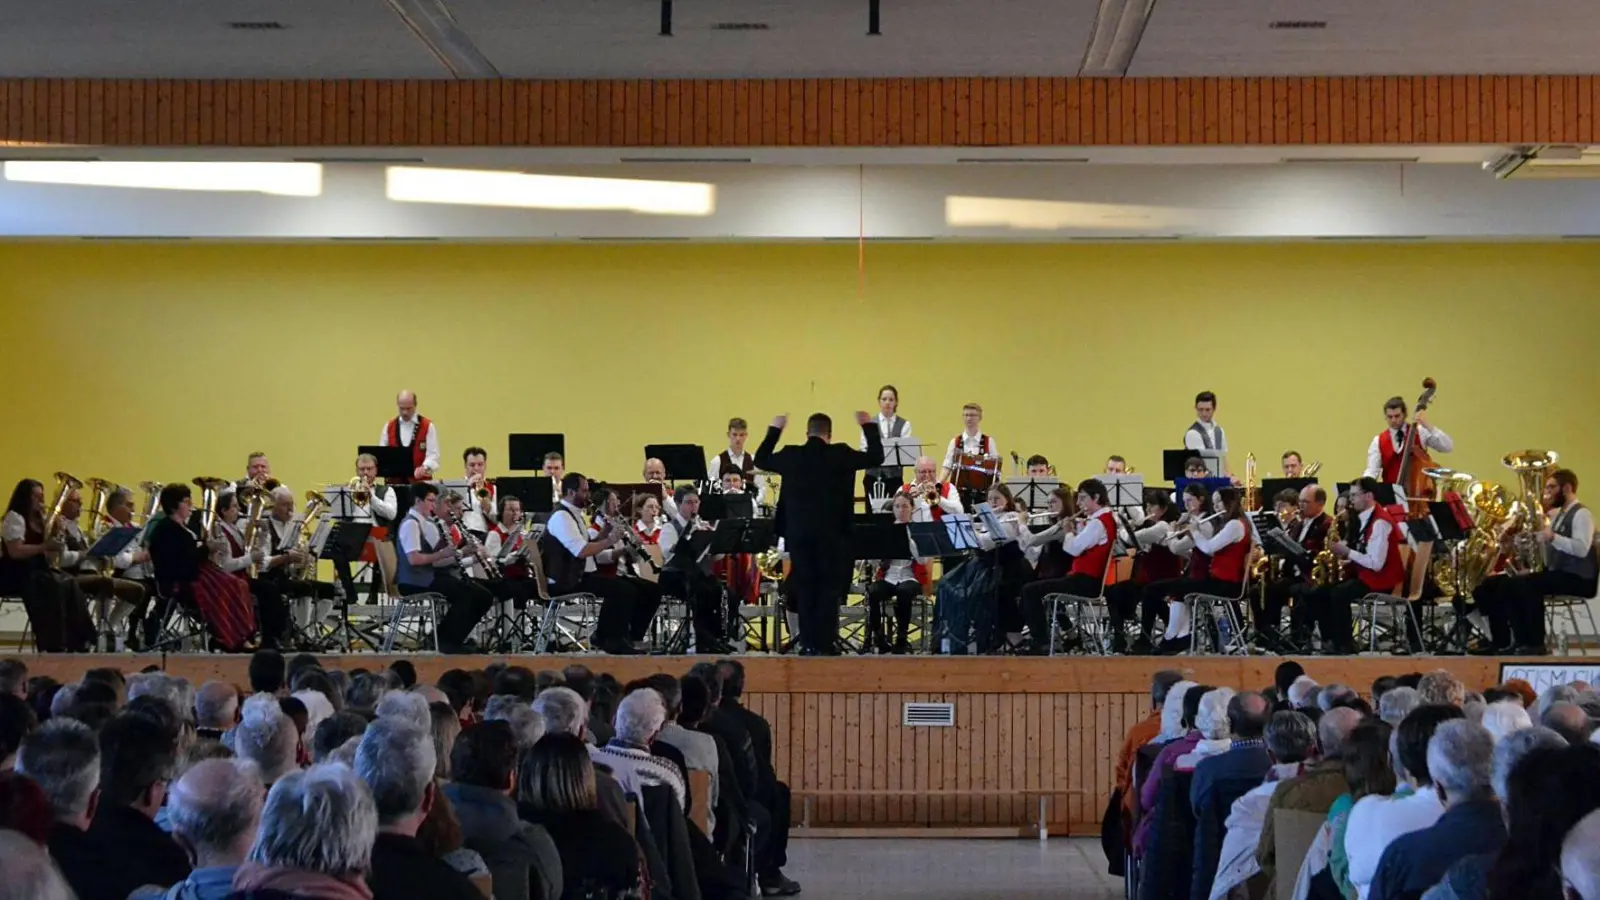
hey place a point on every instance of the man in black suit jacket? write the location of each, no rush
(814, 516)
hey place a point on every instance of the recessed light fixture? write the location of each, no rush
(1298, 24)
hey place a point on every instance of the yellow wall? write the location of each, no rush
(171, 361)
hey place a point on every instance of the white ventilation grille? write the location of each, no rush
(929, 715)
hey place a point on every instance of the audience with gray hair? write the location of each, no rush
(1580, 857)
(65, 696)
(396, 760)
(1461, 761)
(216, 706)
(1396, 703)
(214, 811)
(267, 737)
(317, 827)
(1503, 717)
(407, 706)
(1510, 749)
(1439, 686)
(1211, 720)
(63, 757)
(27, 872)
(563, 711)
(526, 724)
(1291, 737)
(1334, 728)
(1568, 720)
(1556, 693)
(1335, 695)
(1172, 711)
(640, 716)
(1303, 692)
(176, 691)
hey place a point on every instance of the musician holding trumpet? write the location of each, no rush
(931, 498)
(377, 505)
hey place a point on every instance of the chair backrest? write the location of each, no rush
(700, 799)
(1293, 830)
(540, 582)
(484, 883)
(1417, 574)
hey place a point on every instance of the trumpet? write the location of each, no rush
(928, 490)
(360, 489)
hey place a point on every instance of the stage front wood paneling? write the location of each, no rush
(1025, 728)
(812, 112)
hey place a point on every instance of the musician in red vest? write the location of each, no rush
(900, 580)
(1374, 561)
(1153, 562)
(970, 440)
(930, 500)
(414, 432)
(1387, 448)
(1090, 548)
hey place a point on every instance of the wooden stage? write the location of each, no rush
(1029, 733)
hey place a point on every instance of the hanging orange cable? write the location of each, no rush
(861, 232)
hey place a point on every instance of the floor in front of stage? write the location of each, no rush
(849, 868)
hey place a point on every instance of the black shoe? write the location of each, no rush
(778, 885)
(1487, 649)
(810, 651)
(1141, 646)
(901, 647)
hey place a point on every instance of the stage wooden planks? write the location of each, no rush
(1024, 728)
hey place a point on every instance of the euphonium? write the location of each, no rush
(100, 491)
(210, 487)
(65, 484)
(152, 500)
(1531, 467)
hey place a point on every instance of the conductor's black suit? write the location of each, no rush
(814, 519)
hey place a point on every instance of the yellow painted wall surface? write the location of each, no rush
(167, 361)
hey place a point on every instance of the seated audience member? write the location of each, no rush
(25, 808)
(17, 721)
(555, 789)
(564, 712)
(63, 756)
(640, 716)
(1291, 741)
(1184, 701)
(444, 729)
(1223, 778)
(1439, 686)
(1303, 694)
(216, 710)
(1375, 821)
(1314, 790)
(440, 836)
(1211, 721)
(334, 732)
(688, 700)
(1503, 717)
(267, 737)
(215, 811)
(1541, 801)
(27, 872)
(1568, 720)
(138, 757)
(14, 678)
(1580, 858)
(1460, 757)
(1397, 703)
(407, 707)
(1368, 772)
(395, 759)
(522, 858)
(317, 832)
(518, 714)
(267, 672)
(1143, 732)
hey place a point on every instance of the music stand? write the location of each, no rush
(340, 506)
(880, 541)
(1125, 491)
(759, 536)
(871, 518)
(344, 540)
(1172, 463)
(931, 539)
(684, 462)
(1031, 492)
(1212, 485)
(985, 513)
(113, 542)
(533, 490)
(901, 452)
(738, 506)
(394, 463)
(459, 487)
(526, 452)
(1445, 522)
(1272, 535)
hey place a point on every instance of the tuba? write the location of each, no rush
(152, 501)
(65, 484)
(100, 491)
(1531, 467)
(210, 489)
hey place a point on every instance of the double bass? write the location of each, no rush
(1414, 458)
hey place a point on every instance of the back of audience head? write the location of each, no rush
(445, 728)
(41, 691)
(1334, 695)
(563, 711)
(1568, 720)
(1513, 748)
(1286, 674)
(670, 690)
(545, 679)
(1524, 692)
(1556, 693)
(178, 693)
(17, 721)
(485, 756)
(97, 692)
(526, 724)
(1461, 761)
(1397, 703)
(1211, 718)
(1367, 767)
(457, 686)
(1161, 683)
(579, 678)
(1248, 712)
(1303, 692)
(215, 810)
(322, 820)
(267, 737)
(556, 775)
(216, 705)
(731, 671)
(1503, 717)
(321, 682)
(63, 699)
(1191, 705)
(518, 681)
(1383, 684)
(138, 758)
(24, 806)
(1291, 737)
(1548, 793)
(407, 706)
(63, 756)
(1334, 729)
(27, 871)
(366, 691)
(1580, 858)
(14, 677)
(1413, 736)
(1172, 710)
(712, 676)
(334, 732)
(694, 701)
(406, 672)
(298, 662)
(267, 672)
(640, 716)
(395, 758)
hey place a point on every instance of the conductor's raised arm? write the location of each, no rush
(873, 455)
(767, 457)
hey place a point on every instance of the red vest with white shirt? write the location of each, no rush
(518, 569)
(946, 490)
(1393, 571)
(1389, 456)
(1228, 563)
(419, 440)
(985, 445)
(1092, 562)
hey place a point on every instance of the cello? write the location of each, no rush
(1414, 459)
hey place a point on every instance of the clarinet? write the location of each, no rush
(491, 569)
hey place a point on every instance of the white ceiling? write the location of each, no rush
(817, 38)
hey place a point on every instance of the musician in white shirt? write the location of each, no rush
(931, 500)
(378, 508)
(736, 459)
(655, 472)
(555, 467)
(1388, 446)
(430, 565)
(890, 425)
(401, 432)
(969, 441)
(257, 471)
(231, 553)
(900, 580)
(131, 564)
(683, 576)
(480, 512)
(279, 539)
(1011, 558)
(74, 559)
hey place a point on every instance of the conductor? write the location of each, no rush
(814, 517)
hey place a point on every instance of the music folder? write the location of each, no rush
(394, 463)
(114, 541)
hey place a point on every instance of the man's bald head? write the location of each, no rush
(1247, 715)
(406, 403)
(1568, 720)
(1334, 728)
(926, 468)
(215, 810)
(216, 705)
(655, 470)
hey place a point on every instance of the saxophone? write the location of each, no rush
(1325, 566)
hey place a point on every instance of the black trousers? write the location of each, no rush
(344, 568)
(818, 580)
(466, 604)
(1269, 615)
(1125, 598)
(1514, 604)
(59, 612)
(627, 606)
(703, 595)
(1034, 614)
(272, 610)
(773, 854)
(1329, 606)
(903, 595)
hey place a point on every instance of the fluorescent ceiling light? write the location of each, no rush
(1055, 215)
(285, 179)
(478, 187)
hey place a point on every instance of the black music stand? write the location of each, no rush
(1212, 485)
(533, 490)
(1033, 493)
(684, 462)
(345, 542)
(394, 463)
(1276, 539)
(526, 452)
(1445, 524)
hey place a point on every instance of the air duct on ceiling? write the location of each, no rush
(1118, 27)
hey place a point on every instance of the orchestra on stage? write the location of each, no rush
(882, 545)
